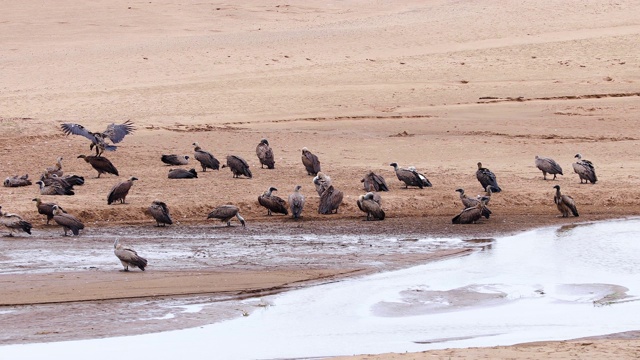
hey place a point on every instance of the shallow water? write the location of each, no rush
(548, 284)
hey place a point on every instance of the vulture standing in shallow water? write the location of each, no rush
(486, 177)
(310, 162)
(67, 221)
(470, 215)
(17, 180)
(173, 159)
(410, 177)
(564, 203)
(265, 154)
(101, 164)
(114, 132)
(46, 208)
(273, 203)
(238, 166)
(160, 213)
(374, 182)
(548, 166)
(54, 188)
(369, 204)
(182, 174)
(468, 202)
(128, 256)
(206, 159)
(120, 191)
(296, 202)
(14, 222)
(225, 213)
(585, 169)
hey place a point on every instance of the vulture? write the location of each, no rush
(238, 166)
(128, 256)
(46, 208)
(205, 158)
(322, 182)
(468, 202)
(54, 188)
(471, 214)
(310, 162)
(16, 181)
(182, 174)
(120, 191)
(368, 204)
(487, 194)
(330, 198)
(67, 221)
(265, 154)
(548, 166)
(55, 169)
(273, 203)
(160, 212)
(296, 202)
(564, 203)
(585, 169)
(14, 222)
(67, 181)
(173, 159)
(114, 132)
(225, 213)
(101, 164)
(374, 182)
(486, 177)
(410, 177)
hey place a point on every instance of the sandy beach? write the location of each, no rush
(440, 86)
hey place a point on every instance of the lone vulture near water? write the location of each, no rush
(128, 257)
(565, 203)
(225, 213)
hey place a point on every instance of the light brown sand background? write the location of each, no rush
(439, 85)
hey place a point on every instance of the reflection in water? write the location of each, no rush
(528, 287)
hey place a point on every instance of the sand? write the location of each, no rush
(439, 86)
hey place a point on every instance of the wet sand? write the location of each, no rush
(379, 84)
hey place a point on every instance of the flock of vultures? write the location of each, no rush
(54, 182)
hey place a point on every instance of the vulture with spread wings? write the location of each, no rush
(114, 132)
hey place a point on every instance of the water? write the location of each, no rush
(548, 284)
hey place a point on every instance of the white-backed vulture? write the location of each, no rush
(101, 164)
(160, 212)
(565, 203)
(128, 257)
(585, 170)
(67, 221)
(238, 166)
(487, 177)
(311, 162)
(114, 132)
(265, 154)
(469, 215)
(225, 213)
(55, 169)
(296, 202)
(46, 208)
(273, 203)
(17, 180)
(374, 182)
(321, 181)
(330, 200)
(67, 181)
(410, 177)
(206, 159)
(368, 204)
(14, 222)
(54, 188)
(120, 191)
(173, 159)
(548, 166)
(182, 173)
(425, 181)
(468, 202)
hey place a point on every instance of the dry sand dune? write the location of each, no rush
(439, 85)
